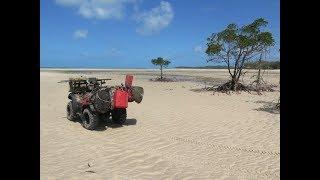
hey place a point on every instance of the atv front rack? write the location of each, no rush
(80, 85)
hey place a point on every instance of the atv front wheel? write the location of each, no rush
(119, 116)
(71, 114)
(90, 120)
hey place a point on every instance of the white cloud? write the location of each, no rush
(156, 19)
(69, 2)
(198, 49)
(114, 52)
(150, 22)
(98, 9)
(78, 34)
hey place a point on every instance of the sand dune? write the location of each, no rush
(174, 133)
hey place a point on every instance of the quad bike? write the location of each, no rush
(91, 102)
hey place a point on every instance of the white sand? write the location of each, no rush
(174, 133)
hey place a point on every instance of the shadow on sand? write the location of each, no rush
(104, 125)
(270, 107)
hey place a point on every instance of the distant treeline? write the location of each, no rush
(202, 67)
(248, 65)
(264, 65)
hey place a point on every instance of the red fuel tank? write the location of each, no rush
(120, 99)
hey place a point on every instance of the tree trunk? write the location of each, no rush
(259, 71)
(259, 76)
(234, 83)
(240, 68)
(161, 72)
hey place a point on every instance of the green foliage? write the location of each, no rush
(160, 62)
(263, 65)
(249, 38)
(236, 45)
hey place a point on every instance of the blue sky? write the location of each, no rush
(129, 33)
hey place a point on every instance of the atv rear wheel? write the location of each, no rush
(71, 114)
(90, 120)
(119, 115)
(104, 116)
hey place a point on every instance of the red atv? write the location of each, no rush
(92, 102)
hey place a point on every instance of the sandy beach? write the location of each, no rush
(175, 133)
